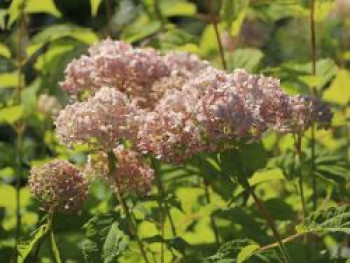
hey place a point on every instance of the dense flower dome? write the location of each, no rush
(59, 186)
(175, 105)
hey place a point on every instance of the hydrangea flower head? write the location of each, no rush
(59, 186)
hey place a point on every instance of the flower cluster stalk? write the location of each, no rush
(314, 91)
(217, 34)
(298, 149)
(19, 128)
(212, 218)
(129, 217)
(269, 221)
(131, 223)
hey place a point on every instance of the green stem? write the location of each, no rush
(208, 200)
(300, 174)
(129, 216)
(314, 91)
(162, 196)
(217, 34)
(286, 240)
(54, 248)
(159, 14)
(131, 224)
(19, 127)
(161, 216)
(212, 218)
(18, 184)
(263, 210)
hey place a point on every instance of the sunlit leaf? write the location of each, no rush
(323, 8)
(332, 219)
(233, 12)
(51, 33)
(95, 4)
(339, 91)
(115, 243)
(326, 69)
(140, 29)
(9, 80)
(106, 241)
(177, 8)
(3, 14)
(276, 10)
(31, 7)
(247, 58)
(25, 248)
(11, 114)
(247, 252)
(266, 175)
(5, 51)
(232, 249)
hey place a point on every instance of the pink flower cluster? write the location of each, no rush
(103, 120)
(116, 65)
(59, 185)
(176, 105)
(131, 174)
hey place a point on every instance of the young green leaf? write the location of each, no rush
(106, 241)
(332, 219)
(115, 243)
(24, 248)
(247, 252)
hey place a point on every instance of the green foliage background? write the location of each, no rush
(39, 37)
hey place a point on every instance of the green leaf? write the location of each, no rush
(339, 91)
(332, 219)
(244, 162)
(24, 248)
(85, 35)
(3, 14)
(266, 175)
(234, 13)
(91, 251)
(95, 4)
(247, 58)
(177, 8)
(275, 10)
(326, 69)
(114, 244)
(208, 42)
(9, 80)
(5, 51)
(51, 33)
(29, 96)
(106, 241)
(11, 114)
(324, 8)
(53, 53)
(31, 7)
(247, 252)
(140, 29)
(232, 249)
(173, 39)
(55, 249)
